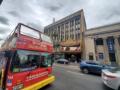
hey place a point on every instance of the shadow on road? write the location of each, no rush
(105, 87)
(49, 86)
(46, 87)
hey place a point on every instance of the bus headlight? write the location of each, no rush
(18, 87)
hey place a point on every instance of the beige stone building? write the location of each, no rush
(71, 39)
(103, 43)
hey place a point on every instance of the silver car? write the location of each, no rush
(62, 61)
(111, 78)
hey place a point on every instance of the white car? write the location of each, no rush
(62, 61)
(111, 78)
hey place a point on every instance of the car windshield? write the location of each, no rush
(115, 70)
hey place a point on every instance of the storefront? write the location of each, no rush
(71, 50)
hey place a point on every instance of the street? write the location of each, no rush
(70, 78)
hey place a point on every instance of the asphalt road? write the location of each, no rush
(70, 78)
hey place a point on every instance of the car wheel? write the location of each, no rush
(85, 70)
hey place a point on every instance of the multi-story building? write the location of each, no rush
(72, 39)
(67, 35)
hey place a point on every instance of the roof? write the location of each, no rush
(115, 27)
(65, 18)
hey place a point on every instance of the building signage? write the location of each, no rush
(110, 43)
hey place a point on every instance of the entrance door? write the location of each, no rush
(111, 50)
(112, 58)
(90, 57)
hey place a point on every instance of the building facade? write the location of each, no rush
(104, 43)
(67, 35)
(72, 40)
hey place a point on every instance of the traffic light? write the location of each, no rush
(1, 1)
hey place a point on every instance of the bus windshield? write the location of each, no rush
(29, 60)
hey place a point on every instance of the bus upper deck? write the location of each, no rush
(25, 37)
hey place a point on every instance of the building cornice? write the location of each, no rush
(64, 19)
(103, 29)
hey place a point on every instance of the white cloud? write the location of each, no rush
(39, 13)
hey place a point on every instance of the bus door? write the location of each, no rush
(44, 67)
(4, 65)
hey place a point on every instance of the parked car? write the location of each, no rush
(111, 78)
(62, 61)
(92, 67)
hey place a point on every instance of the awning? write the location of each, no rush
(71, 52)
(70, 43)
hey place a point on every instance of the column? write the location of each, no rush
(64, 31)
(95, 49)
(60, 33)
(117, 49)
(68, 30)
(106, 53)
(74, 31)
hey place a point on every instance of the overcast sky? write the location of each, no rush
(39, 13)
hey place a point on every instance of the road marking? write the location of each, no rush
(67, 66)
(85, 76)
(76, 73)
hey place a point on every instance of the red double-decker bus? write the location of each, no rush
(26, 60)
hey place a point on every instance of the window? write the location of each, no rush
(46, 38)
(99, 41)
(29, 60)
(29, 32)
(110, 44)
(90, 57)
(93, 63)
(46, 59)
(101, 56)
